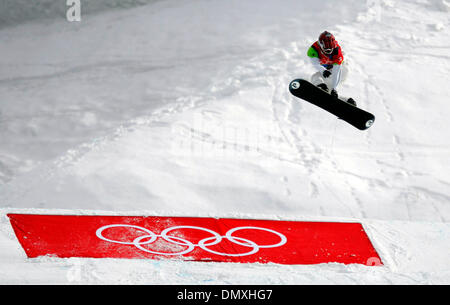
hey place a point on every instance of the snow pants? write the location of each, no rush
(338, 75)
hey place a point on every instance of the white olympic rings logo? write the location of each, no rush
(151, 237)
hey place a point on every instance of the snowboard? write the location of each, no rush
(353, 115)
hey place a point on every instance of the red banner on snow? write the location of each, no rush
(196, 239)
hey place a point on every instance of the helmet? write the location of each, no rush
(327, 42)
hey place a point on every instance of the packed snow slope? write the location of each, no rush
(182, 108)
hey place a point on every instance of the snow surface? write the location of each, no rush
(181, 108)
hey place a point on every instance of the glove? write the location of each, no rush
(326, 73)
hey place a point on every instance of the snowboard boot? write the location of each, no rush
(334, 93)
(351, 101)
(323, 86)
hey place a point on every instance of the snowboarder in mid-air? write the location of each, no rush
(326, 55)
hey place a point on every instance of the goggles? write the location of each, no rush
(327, 48)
